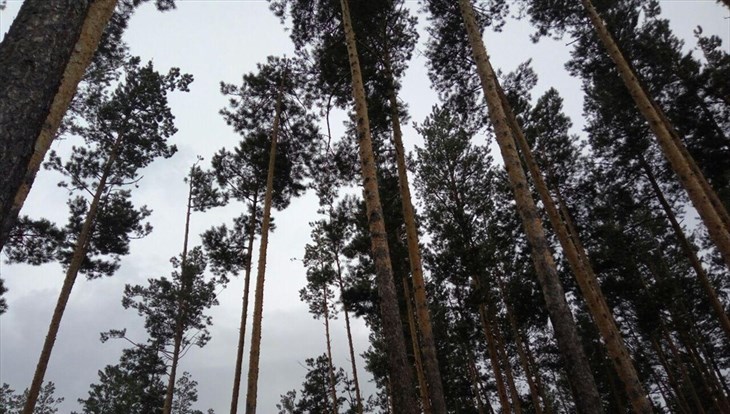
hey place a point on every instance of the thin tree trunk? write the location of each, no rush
(79, 254)
(585, 276)
(494, 359)
(423, 316)
(97, 18)
(516, 403)
(349, 337)
(688, 249)
(586, 394)
(186, 287)
(683, 369)
(258, 305)
(673, 381)
(520, 349)
(471, 368)
(330, 367)
(401, 379)
(244, 315)
(422, 385)
(696, 187)
(538, 377)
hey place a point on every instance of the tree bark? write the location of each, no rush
(43, 56)
(79, 254)
(422, 385)
(349, 337)
(471, 368)
(423, 316)
(186, 287)
(258, 305)
(516, 403)
(401, 379)
(691, 178)
(494, 359)
(244, 315)
(688, 249)
(584, 386)
(330, 365)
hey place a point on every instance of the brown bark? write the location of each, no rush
(514, 395)
(471, 368)
(683, 369)
(423, 316)
(422, 385)
(358, 396)
(517, 335)
(244, 314)
(97, 18)
(79, 254)
(401, 380)
(330, 365)
(179, 324)
(691, 178)
(682, 401)
(688, 250)
(494, 359)
(579, 372)
(34, 55)
(585, 277)
(258, 304)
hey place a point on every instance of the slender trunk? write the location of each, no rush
(683, 369)
(79, 254)
(330, 367)
(423, 316)
(401, 379)
(499, 342)
(182, 307)
(586, 394)
(688, 249)
(585, 276)
(682, 401)
(538, 377)
(471, 368)
(534, 395)
(691, 178)
(258, 305)
(244, 315)
(494, 359)
(97, 18)
(349, 337)
(422, 385)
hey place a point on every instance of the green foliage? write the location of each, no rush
(314, 397)
(12, 403)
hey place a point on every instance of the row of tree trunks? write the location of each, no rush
(79, 254)
(401, 379)
(585, 391)
(60, 38)
(702, 196)
(258, 307)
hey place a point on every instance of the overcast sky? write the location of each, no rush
(219, 41)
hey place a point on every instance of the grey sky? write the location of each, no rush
(219, 41)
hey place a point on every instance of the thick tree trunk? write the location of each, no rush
(691, 178)
(186, 287)
(330, 365)
(349, 337)
(244, 315)
(689, 250)
(258, 304)
(401, 379)
(79, 254)
(586, 394)
(44, 56)
(585, 276)
(422, 385)
(534, 395)
(423, 316)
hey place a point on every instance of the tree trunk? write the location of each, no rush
(97, 18)
(681, 400)
(691, 178)
(520, 349)
(186, 287)
(401, 379)
(689, 250)
(258, 305)
(586, 394)
(422, 385)
(349, 337)
(423, 316)
(516, 403)
(79, 254)
(244, 315)
(471, 368)
(585, 276)
(330, 367)
(494, 359)
(683, 369)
